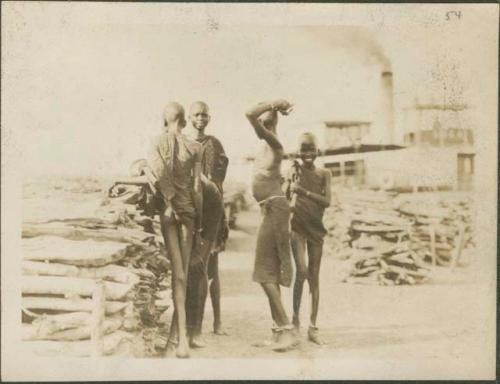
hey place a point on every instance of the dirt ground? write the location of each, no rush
(441, 319)
(442, 324)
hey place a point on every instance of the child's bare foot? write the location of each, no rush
(286, 341)
(276, 333)
(170, 349)
(197, 342)
(218, 330)
(313, 336)
(182, 350)
(268, 343)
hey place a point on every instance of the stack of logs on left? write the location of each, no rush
(94, 286)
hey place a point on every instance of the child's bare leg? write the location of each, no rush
(299, 255)
(285, 339)
(184, 244)
(199, 278)
(273, 294)
(173, 335)
(315, 252)
(215, 293)
(172, 233)
(202, 293)
(191, 301)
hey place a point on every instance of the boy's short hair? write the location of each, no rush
(309, 138)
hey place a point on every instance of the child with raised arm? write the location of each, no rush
(272, 255)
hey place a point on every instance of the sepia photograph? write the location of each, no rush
(248, 191)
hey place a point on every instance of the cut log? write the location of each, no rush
(56, 285)
(415, 210)
(76, 348)
(114, 273)
(364, 271)
(122, 235)
(378, 228)
(97, 319)
(87, 253)
(69, 305)
(379, 218)
(39, 332)
(83, 222)
(55, 323)
(421, 273)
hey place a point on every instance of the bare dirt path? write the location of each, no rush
(416, 323)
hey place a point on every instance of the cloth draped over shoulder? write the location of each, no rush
(307, 214)
(214, 161)
(171, 160)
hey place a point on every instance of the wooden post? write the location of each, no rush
(432, 233)
(98, 313)
(459, 243)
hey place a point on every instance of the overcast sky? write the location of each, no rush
(86, 96)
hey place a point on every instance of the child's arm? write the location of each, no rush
(198, 193)
(287, 182)
(261, 131)
(325, 199)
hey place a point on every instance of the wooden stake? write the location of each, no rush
(432, 233)
(459, 243)
(98, 311)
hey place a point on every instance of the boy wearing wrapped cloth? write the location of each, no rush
(204, 266)
(308, 188)
(272, 256)
(174, 174)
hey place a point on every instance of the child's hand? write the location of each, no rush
(296, 188)
(282, 106)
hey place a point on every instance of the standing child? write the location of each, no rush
(309, 189)
(205, 267)
(175, 168)
(273, 266)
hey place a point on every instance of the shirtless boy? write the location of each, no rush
(272, 256)
(309, 189)
(175, 168)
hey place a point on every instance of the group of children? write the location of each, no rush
(186, 174)
(292, 215)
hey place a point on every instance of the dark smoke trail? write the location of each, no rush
(358, 41)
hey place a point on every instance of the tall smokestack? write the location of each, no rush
(388, 105)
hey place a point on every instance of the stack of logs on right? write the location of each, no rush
(393, 239)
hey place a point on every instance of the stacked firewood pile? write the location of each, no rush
(442, 229)
(375, 239)
(391, 239)
(381, 242)
(75, 269)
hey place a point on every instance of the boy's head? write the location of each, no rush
(174, 114)
(308, 149)
(269, 120)
(199, 114)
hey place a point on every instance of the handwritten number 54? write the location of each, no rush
(452, 14)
